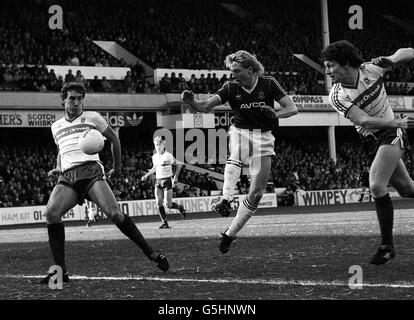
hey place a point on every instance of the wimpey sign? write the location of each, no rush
(36, 214)
(332, 197)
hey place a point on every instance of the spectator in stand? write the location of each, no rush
(69, 77)
(210, 185)
(79, 77)
(128, 84)
(181, 80)
(202, 81)
(52, 75)
(106, 86)
(138, 70)
(96, 85)
(139, 87)
(192, 83)
(59, 84)
(7, 75)
(174, 82)
(165, 84)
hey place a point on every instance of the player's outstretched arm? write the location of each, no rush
(145, 176)
(199, 105)
(288, 108)
(400, 57)
(361, 118)
(110, 134)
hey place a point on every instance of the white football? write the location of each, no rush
(91, 141)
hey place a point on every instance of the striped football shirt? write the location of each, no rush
(368, 94)
(66, 134)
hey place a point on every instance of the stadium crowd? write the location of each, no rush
(183, 34)
(298, 165)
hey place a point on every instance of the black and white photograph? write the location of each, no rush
(206, 156)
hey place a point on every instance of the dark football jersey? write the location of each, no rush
(246, 106)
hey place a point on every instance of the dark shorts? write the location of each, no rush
(164, 183)
(372, 142)
(81, 178)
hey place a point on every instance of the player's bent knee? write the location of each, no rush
(53, 216)
(117, 218)
(113, 213)
(378, 189)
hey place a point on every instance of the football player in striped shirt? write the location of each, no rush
(251, 95)
(81, 176)
(359, 95)
(162, 162)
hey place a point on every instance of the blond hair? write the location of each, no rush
(158, 139)
(246, 60)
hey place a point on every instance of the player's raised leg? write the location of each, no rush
(232, 171)
(260, 169)
(102, 195)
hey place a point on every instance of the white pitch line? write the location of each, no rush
(277, 282)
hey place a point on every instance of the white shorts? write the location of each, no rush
(245, 144)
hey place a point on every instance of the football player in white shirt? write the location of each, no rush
(81, 176)
(359, 95)
(162, 162)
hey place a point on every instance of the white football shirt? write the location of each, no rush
(66, 134)
(163, 164)
(368, 94)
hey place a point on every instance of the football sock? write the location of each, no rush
(385, 214)
(244, 213)
(129, 229)
(56, 234)
(161, 210)
(175, 206)
(232, 172)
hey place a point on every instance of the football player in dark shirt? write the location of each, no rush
(251, 96)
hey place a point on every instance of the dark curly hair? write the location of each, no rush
(343, 52)
(72, 86)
